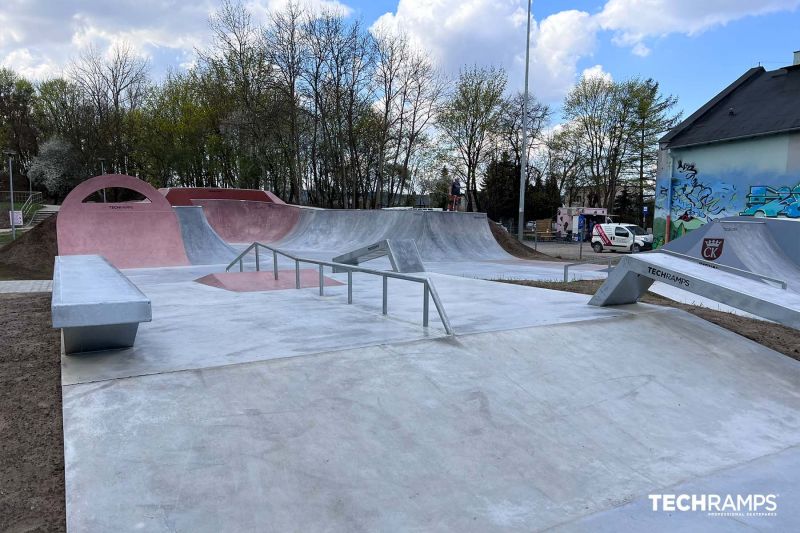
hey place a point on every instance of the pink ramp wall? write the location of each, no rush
(128, 234)
(185, 195)
(241, 221)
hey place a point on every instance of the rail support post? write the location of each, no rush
(321, 282)
(274, 263)
(385, 295)
(349, 286)
(297, 274)
(426, 293)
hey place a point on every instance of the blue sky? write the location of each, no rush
(694, 48)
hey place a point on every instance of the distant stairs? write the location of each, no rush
(42, 214)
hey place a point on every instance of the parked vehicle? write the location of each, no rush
(621, 237)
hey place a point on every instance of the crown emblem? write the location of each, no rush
(712, 248)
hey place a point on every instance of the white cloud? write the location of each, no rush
(596, 72)
(38, 38)
(30, 65)
(458, 33)
(262, 8)
(633, 21)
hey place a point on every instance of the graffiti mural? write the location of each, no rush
(757, 177)
(767, 201)
(697, 200)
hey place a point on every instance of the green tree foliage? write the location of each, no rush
(57, 167)
(324, 111)
(17, 128)
(611, 139)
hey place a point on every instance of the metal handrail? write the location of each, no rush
(30, 202)
(588, 261)
(429, 291)
(733, 270)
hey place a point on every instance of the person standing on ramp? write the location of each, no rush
(455, 195)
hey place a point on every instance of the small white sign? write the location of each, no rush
(15, 217)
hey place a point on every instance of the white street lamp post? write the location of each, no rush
(523, 171)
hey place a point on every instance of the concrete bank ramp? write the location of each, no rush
(439, 235)
(765, 246)
(203, 245)
(742, 290)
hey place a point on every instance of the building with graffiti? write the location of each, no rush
(739, 154)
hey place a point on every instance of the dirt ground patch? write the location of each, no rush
(510, 244)
(31, 434)
(31, 256)
(775, 336)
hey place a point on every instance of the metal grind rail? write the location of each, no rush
(429, 291)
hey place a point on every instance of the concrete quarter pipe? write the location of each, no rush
(203, 245)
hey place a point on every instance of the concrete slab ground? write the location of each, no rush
(568, 425)
(197, 326)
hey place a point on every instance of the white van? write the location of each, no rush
(620, 237)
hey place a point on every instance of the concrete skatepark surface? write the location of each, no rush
(284, 410)
(506, 429)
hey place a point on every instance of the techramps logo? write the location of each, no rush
(718, 505)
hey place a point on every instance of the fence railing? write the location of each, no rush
(429, 291)
(587, 262)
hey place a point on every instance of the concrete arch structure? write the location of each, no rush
(127, 234)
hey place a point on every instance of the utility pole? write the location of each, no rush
(10, 154)
(103, 171)
(523, 167)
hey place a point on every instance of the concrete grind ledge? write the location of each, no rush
(95, 305)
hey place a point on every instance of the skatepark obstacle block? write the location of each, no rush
(403, 254)
(760, 295)
(95, 305)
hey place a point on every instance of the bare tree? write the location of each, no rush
(470, 117)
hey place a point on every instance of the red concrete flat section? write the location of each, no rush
(185, 195)
(128, 234)
(242, 221)
(264, 281)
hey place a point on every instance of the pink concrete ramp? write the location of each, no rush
(243, 221)
(128, 234)
(186, 195)
(264, 281)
